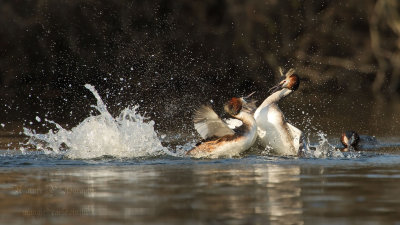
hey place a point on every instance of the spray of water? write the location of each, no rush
(127, 135)
(323, 149)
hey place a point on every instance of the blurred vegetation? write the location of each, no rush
(169, 56)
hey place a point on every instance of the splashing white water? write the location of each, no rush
(326, 150)
(128, 135)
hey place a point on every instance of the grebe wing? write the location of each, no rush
(208, 124)
(233, 123)
(297, 135)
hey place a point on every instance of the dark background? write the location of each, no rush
(171, 56)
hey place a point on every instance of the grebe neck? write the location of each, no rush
(246, 117)
(275, 97)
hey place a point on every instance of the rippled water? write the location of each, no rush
(112, 170)
(37, 188)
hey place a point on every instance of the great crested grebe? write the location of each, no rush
(272, 128)
(350, 140)
(219, 139)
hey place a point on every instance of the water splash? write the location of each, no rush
(128, 135)
(326, 150)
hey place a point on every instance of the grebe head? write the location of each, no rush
(350, 138)
(291, 81)
(234, 106)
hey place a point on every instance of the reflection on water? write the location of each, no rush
(283, 192)
(198, 192)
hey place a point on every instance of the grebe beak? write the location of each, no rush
(248, 96)
(249, 104)
(276, 87)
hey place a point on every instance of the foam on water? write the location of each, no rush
(127, 135)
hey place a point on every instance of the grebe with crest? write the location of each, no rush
(272, 128)
(351, 140)
(219, 139)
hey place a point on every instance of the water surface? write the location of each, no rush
(38, 188)
(119, 169)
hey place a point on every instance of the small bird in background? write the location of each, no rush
(350, 140)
